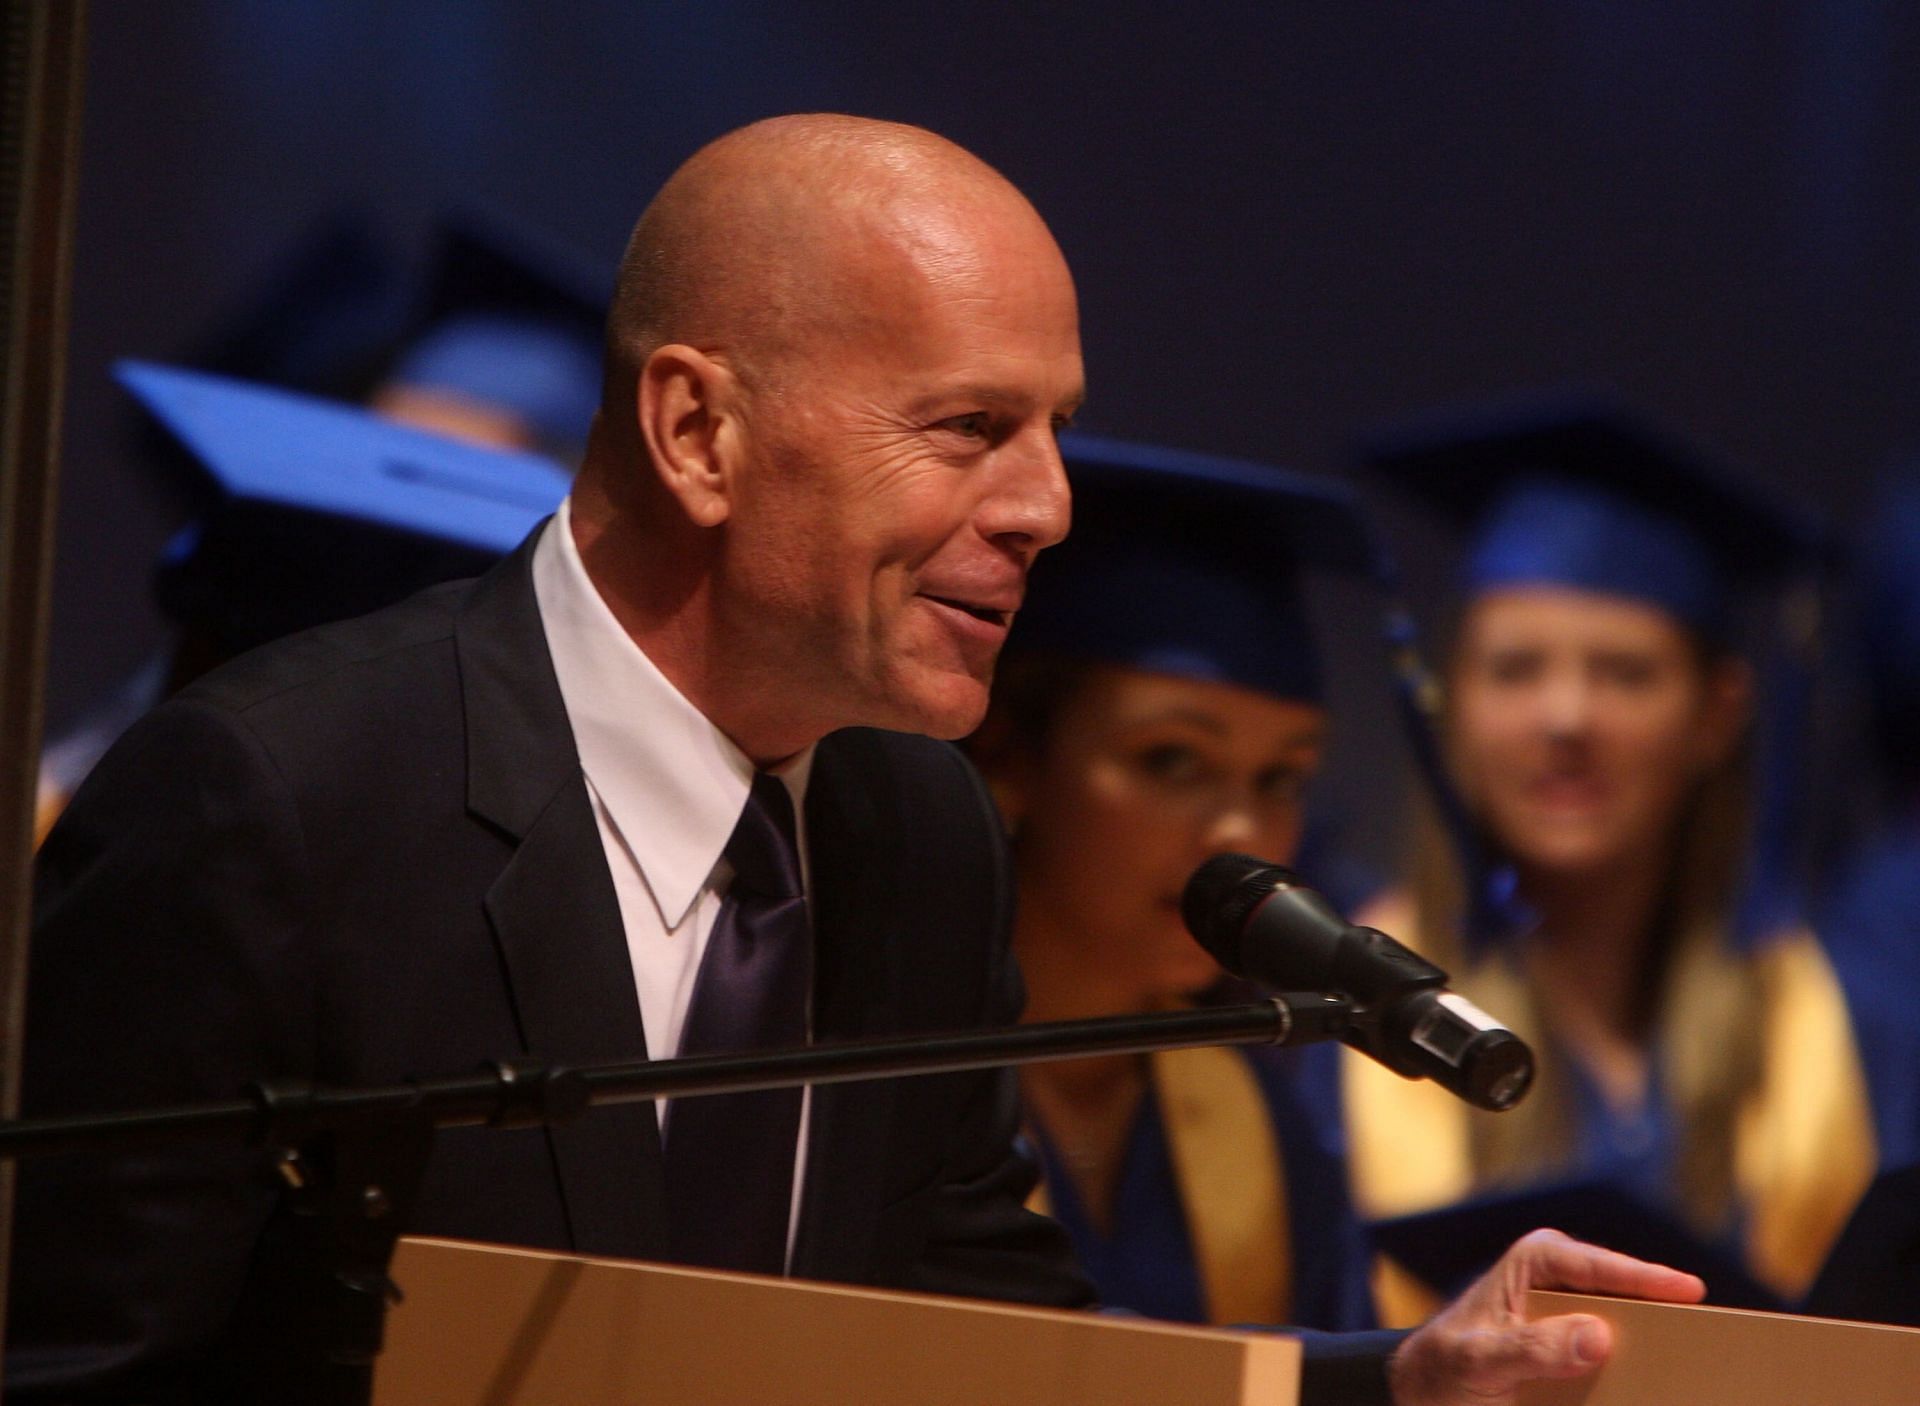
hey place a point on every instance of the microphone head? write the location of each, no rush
(1219, 898)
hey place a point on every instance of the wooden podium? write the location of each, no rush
(1733, 1357)
(484, 1325)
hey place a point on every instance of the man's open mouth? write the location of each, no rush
(1001, 618)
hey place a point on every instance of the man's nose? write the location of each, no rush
(1028, 505)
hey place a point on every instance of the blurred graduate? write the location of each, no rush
(494, 342)
(1695, 1052)
(1159, 702)
(493, 336)
(1871, 914)
(304, 511)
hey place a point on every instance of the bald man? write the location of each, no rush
(499, 818)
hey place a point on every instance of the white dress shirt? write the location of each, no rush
(667, 788)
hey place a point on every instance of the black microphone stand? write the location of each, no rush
(351, 1159)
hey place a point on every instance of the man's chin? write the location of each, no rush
(952, 724)
(948, 708)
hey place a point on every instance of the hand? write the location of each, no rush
(1480, 1348)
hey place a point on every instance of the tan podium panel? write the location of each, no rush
(484, 1325)
(1695, 1356)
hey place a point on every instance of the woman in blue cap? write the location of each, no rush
(1159, 702)
(1596, 726)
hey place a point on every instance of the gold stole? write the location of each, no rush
(1233, 1195)
(1803, 1150)
(1804, 1153)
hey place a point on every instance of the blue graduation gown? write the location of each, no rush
(1148, 1264)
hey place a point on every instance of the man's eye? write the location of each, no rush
(976, 425)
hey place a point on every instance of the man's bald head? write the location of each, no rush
(839, 357)
(776, 235)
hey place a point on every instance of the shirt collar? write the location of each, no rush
(672, 783)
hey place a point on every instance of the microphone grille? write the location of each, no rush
(1221, 895)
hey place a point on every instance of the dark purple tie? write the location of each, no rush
(730, 1156)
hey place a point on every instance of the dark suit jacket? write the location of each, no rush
(367, 853)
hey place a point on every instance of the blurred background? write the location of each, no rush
(1288, 222)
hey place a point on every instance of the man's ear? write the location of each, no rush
(687, 406)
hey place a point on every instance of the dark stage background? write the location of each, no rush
(1287, 220)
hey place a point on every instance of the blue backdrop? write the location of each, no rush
(1286, 220)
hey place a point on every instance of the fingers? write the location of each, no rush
(1481, 1348)
(1546, 1259)
(1565, 1346)
(1447, 1365)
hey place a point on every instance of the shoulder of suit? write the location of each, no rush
(916, 790)
(905, 754)
(326, 651)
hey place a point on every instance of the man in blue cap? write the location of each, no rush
(496, 340)
(306, 512)
(651, 784)
(500, 347)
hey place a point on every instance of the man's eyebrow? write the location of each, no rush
(977, 392)
(994, 396)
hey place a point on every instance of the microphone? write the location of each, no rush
(1259, 920)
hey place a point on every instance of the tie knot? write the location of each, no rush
(763, 851)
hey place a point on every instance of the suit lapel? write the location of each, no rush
(562, 944)
(854, 897)
(553, 909)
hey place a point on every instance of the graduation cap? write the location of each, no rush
(511, 320)
(313, 511)
(1873, 1270)
(1448, 1248)
(324, 318)
(1192, 565)
(499, 315)
(1568, 489)
(1196, 566)
(1872, 1273)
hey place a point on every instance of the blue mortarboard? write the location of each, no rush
(1449, 1247)
(324, 318)
(1567, 489)
(1187, 564)
(1872, 1272)
(313, 511)
(513, 320)
(500, 315)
